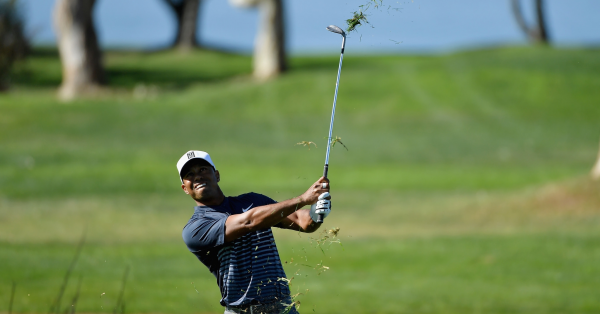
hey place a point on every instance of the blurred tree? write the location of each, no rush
(269, 47)
(186, 12)
(537, 33)
(13, 43)
(80, 54)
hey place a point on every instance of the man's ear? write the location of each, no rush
(218, 175)
(184, 189)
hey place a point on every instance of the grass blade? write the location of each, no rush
(76, 297)
(120, 307)
(12, 297)
(55, 308)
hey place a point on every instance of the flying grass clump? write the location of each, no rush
(334, 232)
(376, 3)
(355, 21)
(295, 302)
(359, 17)
(327, 237)
(337, 140)
(307, 144)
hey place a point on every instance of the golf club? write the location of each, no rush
(337, 30)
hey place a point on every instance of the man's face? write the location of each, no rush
(200, 181)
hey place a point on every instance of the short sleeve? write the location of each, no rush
(204, 233)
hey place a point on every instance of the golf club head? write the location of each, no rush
(335, 29)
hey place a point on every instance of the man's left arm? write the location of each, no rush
(305, 220)
(299, 221)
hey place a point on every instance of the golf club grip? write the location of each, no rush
(325, 170)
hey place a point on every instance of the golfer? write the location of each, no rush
(232, 235)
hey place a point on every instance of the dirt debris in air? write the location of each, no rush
(328, 237)
(324, 240)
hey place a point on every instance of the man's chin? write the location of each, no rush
(203, 197)
(199, 197)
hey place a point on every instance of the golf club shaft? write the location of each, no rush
(337, 84)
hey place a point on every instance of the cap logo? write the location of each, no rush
(191, 155)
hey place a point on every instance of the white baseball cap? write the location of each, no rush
(191, 155)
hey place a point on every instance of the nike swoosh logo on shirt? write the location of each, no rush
(245, 209)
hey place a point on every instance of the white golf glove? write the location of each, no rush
(322, 206)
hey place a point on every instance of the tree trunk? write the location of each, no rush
(186, 13)
(518, 14)
(269, 46)
(538, 33)
(14, 43)
(78, 46)
(596, 170)
(541, 22)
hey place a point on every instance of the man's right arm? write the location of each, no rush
(204, 233)
(267, 216)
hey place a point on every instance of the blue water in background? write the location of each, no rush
(417, 26)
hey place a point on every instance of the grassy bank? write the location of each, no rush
(463, 188)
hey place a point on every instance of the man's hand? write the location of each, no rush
(311, 196)
(323, 206)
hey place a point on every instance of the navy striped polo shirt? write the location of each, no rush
(248, 270)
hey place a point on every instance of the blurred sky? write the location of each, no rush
(410, 26)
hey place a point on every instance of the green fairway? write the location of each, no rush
(488, 274)
(463, 189)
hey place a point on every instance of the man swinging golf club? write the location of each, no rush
(232, 235)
